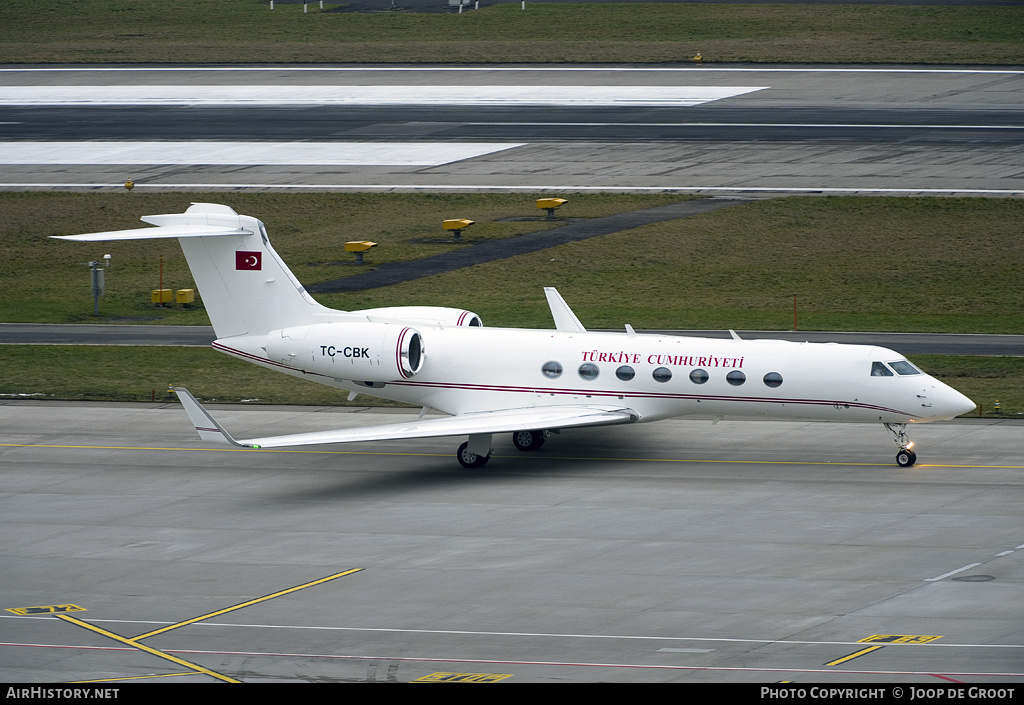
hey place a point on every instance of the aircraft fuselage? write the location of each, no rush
(468, 370)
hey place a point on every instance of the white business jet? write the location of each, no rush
(525, 382)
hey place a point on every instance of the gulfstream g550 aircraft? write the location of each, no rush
(505, 380)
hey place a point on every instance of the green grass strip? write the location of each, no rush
(240, 31)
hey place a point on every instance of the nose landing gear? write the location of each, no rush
(898, 432)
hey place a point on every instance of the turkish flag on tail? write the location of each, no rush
(248, 260)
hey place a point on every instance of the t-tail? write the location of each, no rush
(245, 286)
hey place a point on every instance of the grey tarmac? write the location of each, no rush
(679, 551)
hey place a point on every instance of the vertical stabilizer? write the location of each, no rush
(245, 286)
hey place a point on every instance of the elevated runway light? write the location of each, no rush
(550, 204)
(359, 247)
(457, 225)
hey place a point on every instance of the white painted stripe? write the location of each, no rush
(248, 153)
(368, 95)
(501, 69)
(327, 656)
(466, 632)
(952, 572)
(748, 124)
(531, 188)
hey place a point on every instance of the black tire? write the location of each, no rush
(905, 458)
(471, 460)
(528, 440)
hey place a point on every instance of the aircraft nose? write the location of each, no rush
(949, 403)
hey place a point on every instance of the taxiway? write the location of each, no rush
(676, 551)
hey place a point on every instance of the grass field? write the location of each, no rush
(47, 281)
(855, 263)
(242, 31)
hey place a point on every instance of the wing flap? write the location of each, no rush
(529, 419)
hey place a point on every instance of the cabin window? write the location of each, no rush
(625, 373)
(903, 367)
(773, 379)
(552, 369)
(589, 371)
(662, 374)
(878, 369)
(735, 378)
(699, 376)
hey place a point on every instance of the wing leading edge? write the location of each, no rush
(510, 420)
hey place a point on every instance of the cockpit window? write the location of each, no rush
(903, 367)
(878, 369)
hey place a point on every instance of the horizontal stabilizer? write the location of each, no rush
(529, 419)
(155, 233)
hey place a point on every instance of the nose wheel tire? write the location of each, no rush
(528, 440)
(905, 458)
(471, 460)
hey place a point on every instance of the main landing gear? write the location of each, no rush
(898, 432)
(469, 459)
(529, 440)
(475, 452)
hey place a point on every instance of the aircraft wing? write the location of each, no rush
(510, 420)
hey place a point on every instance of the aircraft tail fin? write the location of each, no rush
(245, 285)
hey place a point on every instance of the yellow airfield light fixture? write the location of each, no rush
(550, 204)
(456, 226)
(359, 247)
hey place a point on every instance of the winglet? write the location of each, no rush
(565, 319)
(206, 425)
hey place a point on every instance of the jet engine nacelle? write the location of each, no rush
(365, 352)
(427, 314)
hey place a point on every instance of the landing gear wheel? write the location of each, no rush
(528, 440)
(905, 458)
(471, 460)
(898, 432)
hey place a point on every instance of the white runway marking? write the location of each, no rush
(547, 188)
(248, 153)
(499, 69)
(952, 572)
(369, 95)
